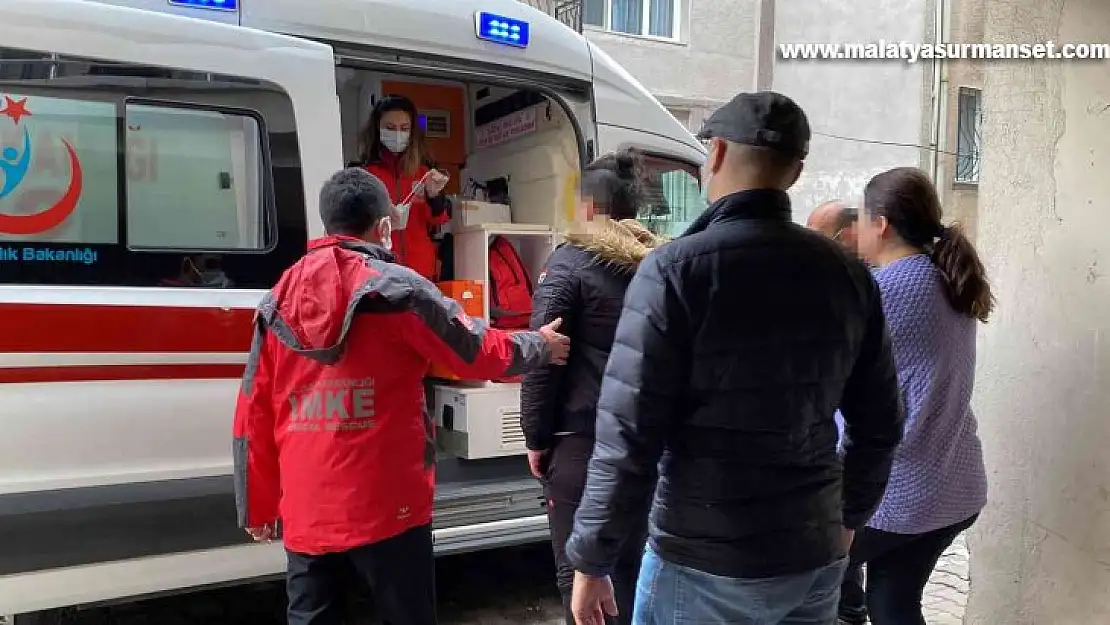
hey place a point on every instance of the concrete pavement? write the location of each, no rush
(943, 603)
(946, 595)
(504, 587)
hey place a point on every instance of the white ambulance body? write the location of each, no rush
(159, 167)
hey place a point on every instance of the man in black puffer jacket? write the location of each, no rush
(737, 343)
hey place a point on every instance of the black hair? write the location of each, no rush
(908, 200)
(614, 183)
(352, 201)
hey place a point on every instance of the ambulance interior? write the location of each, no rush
(513, 158)
(500, 145)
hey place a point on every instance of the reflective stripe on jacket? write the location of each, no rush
(331, 432)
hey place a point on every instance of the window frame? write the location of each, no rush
(645, 24)
(266, 189)
(61, 75)
(975, 133)
(678, 164)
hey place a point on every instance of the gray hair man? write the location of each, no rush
(836, 220)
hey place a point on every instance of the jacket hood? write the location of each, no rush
(620, 244)
(312, 307)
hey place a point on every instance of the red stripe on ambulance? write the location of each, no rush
(115, 373)
(85, 328)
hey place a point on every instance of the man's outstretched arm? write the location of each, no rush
(439, 329)
(639, 395)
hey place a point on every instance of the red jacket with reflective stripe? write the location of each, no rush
(413, 246)
(331, 433)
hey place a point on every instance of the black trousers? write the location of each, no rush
(898, 568)
(564, 482)
(399, 570)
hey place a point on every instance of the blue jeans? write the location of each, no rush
(668, 594)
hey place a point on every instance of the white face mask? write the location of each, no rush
(394, 140)
(385, 232)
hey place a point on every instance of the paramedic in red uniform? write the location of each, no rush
(394, 150)
(331, 435)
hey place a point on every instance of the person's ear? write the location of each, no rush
(717, 150)
(796, 172)
(883, 226)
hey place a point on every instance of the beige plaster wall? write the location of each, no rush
(1041, 553)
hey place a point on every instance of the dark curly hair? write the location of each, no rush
(614, 183)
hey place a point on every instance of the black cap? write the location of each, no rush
(764, 119)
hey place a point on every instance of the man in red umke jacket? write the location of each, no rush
(331, 433)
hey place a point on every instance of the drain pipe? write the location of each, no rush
(765, 50)
(940, 90)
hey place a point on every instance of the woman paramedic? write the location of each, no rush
(393, 148)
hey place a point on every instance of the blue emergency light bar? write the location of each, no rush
(500, 29)
(211, 5)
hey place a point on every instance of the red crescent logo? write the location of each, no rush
(56, 214)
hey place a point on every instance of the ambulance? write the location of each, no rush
(160, 162)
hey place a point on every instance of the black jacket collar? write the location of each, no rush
(751, 204)
(354, 244)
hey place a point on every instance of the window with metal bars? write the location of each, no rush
(568, 12)
(969, 135)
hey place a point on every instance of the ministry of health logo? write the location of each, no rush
(15, 163)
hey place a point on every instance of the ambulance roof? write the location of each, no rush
(96, 26)
(441, 28)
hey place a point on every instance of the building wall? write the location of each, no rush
(863, 101)
(966, 25)
(713, 60)
(1041, 551)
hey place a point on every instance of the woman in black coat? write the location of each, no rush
(584, 283)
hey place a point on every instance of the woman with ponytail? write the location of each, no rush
(934, 291)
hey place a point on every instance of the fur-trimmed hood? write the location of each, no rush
(620, 244)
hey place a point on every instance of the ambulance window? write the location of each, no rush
(115, 174)
(59, 158)
(673, 192)
(209, 194)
